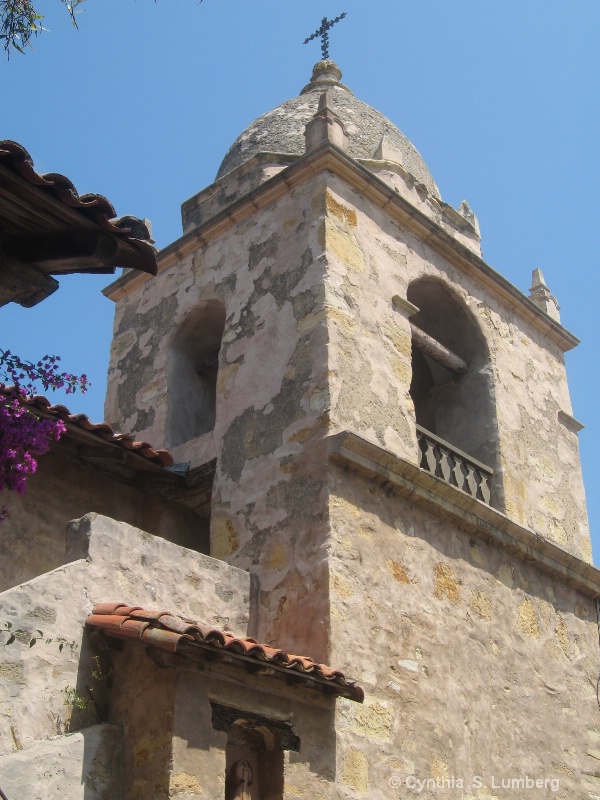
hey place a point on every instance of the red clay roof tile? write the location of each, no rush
(102, 430)
(167, 632)
(138, 253)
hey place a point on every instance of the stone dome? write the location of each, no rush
(282, 129)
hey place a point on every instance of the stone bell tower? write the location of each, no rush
(377, 426)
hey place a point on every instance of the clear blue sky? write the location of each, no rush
(500, 98)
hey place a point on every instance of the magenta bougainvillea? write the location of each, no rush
(23, 435)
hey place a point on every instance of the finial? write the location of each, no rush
(325, 75)
(540, 295)
(323, 32)
(465, 211)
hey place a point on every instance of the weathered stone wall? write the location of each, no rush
(317, 339)
(141, 704)
(474, 664)
(371, 259)
(109, 561)
(65, 488)
(81, 766)
(268, 503)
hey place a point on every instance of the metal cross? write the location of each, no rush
(323, 32)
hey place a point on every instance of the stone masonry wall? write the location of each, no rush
(473, 664)
(372, 259)
(110, 561)
(64, 488)
(317, 340)
(268, 502)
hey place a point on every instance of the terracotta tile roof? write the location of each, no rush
(101, 431)
(172, 633)
(30, 216)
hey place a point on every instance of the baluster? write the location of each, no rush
(445, 468)
(485, 487)
(459, 474)
(429, 456)
(471, 480)
(421, 448)
(440, 460)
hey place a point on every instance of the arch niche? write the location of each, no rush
(453, 398)
(193, 367)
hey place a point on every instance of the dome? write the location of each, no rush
(282, 129)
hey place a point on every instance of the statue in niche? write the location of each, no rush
(244, 777)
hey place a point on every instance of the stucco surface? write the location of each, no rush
(81, 766)
(174, 748)
(474, 664)
(112, 562)
(314, 343)
(535, 455)
(273, 401)
(65, 487)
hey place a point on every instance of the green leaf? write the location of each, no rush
(11, 639)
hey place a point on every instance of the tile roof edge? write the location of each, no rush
(94, 207)
(178, 635)
(101, 433)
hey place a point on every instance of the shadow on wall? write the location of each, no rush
(193, 368)
(459, 408)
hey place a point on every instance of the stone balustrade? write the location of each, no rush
(447, 462)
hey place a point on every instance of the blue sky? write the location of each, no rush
(501, 100)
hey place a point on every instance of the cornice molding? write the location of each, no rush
(329, 158)
(353, 452)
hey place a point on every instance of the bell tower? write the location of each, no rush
(377, 425)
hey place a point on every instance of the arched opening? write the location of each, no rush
(254, 763)
(193, 368)
(452, 391)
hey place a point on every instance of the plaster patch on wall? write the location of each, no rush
(439, 768)
(344, 245)
(278, 558)
(340, 211)
(562, 636)
(224, 539)
(342, 587)
(400, 338)
(184, 784)
(374, 720)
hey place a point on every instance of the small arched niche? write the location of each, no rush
(193, 368)
(452, 388)
(254, 763)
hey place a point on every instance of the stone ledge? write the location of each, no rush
(356, 453)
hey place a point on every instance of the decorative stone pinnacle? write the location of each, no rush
(323, 32)
(537, 279)
(540, 295)
(465, 211)
(325, 125)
